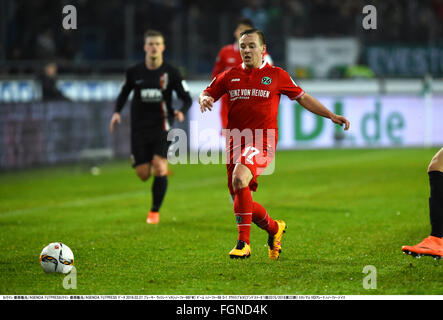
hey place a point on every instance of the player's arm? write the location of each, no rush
(121, 101)
(294, 92)
(182, 90)
(315, 106)
(212, 93)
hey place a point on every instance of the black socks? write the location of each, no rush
(436, 203)
(158, 192)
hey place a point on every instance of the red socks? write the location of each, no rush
(243, 213)
(247, 211)
(262, 219)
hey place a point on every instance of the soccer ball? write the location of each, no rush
(57, 257)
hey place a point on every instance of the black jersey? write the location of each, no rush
(151, 107)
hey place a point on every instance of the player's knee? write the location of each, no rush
(160, 171)
(436, 164)
(239, 182)
(160, 167)
(143, 174)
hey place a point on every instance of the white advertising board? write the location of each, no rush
(321, 54)
(383, 121)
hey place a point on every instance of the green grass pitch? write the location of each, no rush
(345, 209)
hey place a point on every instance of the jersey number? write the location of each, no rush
(253, 150)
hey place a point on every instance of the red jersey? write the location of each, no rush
(253, 95)
(229, 57)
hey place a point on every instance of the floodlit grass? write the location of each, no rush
(345, 209)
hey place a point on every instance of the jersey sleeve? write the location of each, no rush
(288, 87)
(217, 87)
(181, 87)
(124, 93)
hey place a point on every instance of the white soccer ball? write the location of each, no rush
(57, 257)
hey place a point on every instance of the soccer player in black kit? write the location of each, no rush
(152, 115)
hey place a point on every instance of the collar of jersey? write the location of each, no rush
(261, 67)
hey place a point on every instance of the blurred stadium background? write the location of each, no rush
(387, 81)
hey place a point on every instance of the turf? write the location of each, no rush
(345, 209)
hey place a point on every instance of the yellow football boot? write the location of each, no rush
(241, 251)
(274, 242)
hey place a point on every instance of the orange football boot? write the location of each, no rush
(153, 217)
(430, 246)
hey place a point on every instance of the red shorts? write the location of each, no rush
(256, 155)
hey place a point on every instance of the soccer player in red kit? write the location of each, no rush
(254, 89)
(229, 57)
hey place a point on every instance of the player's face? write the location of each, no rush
(251, 50)
(154, 46)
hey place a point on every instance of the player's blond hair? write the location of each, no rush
(260, 34)
(153, 33)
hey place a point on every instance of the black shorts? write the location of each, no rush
(145, 145)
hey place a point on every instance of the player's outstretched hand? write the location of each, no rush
(179, 116)
(115, 119)
(340, 120)
(206, 103)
